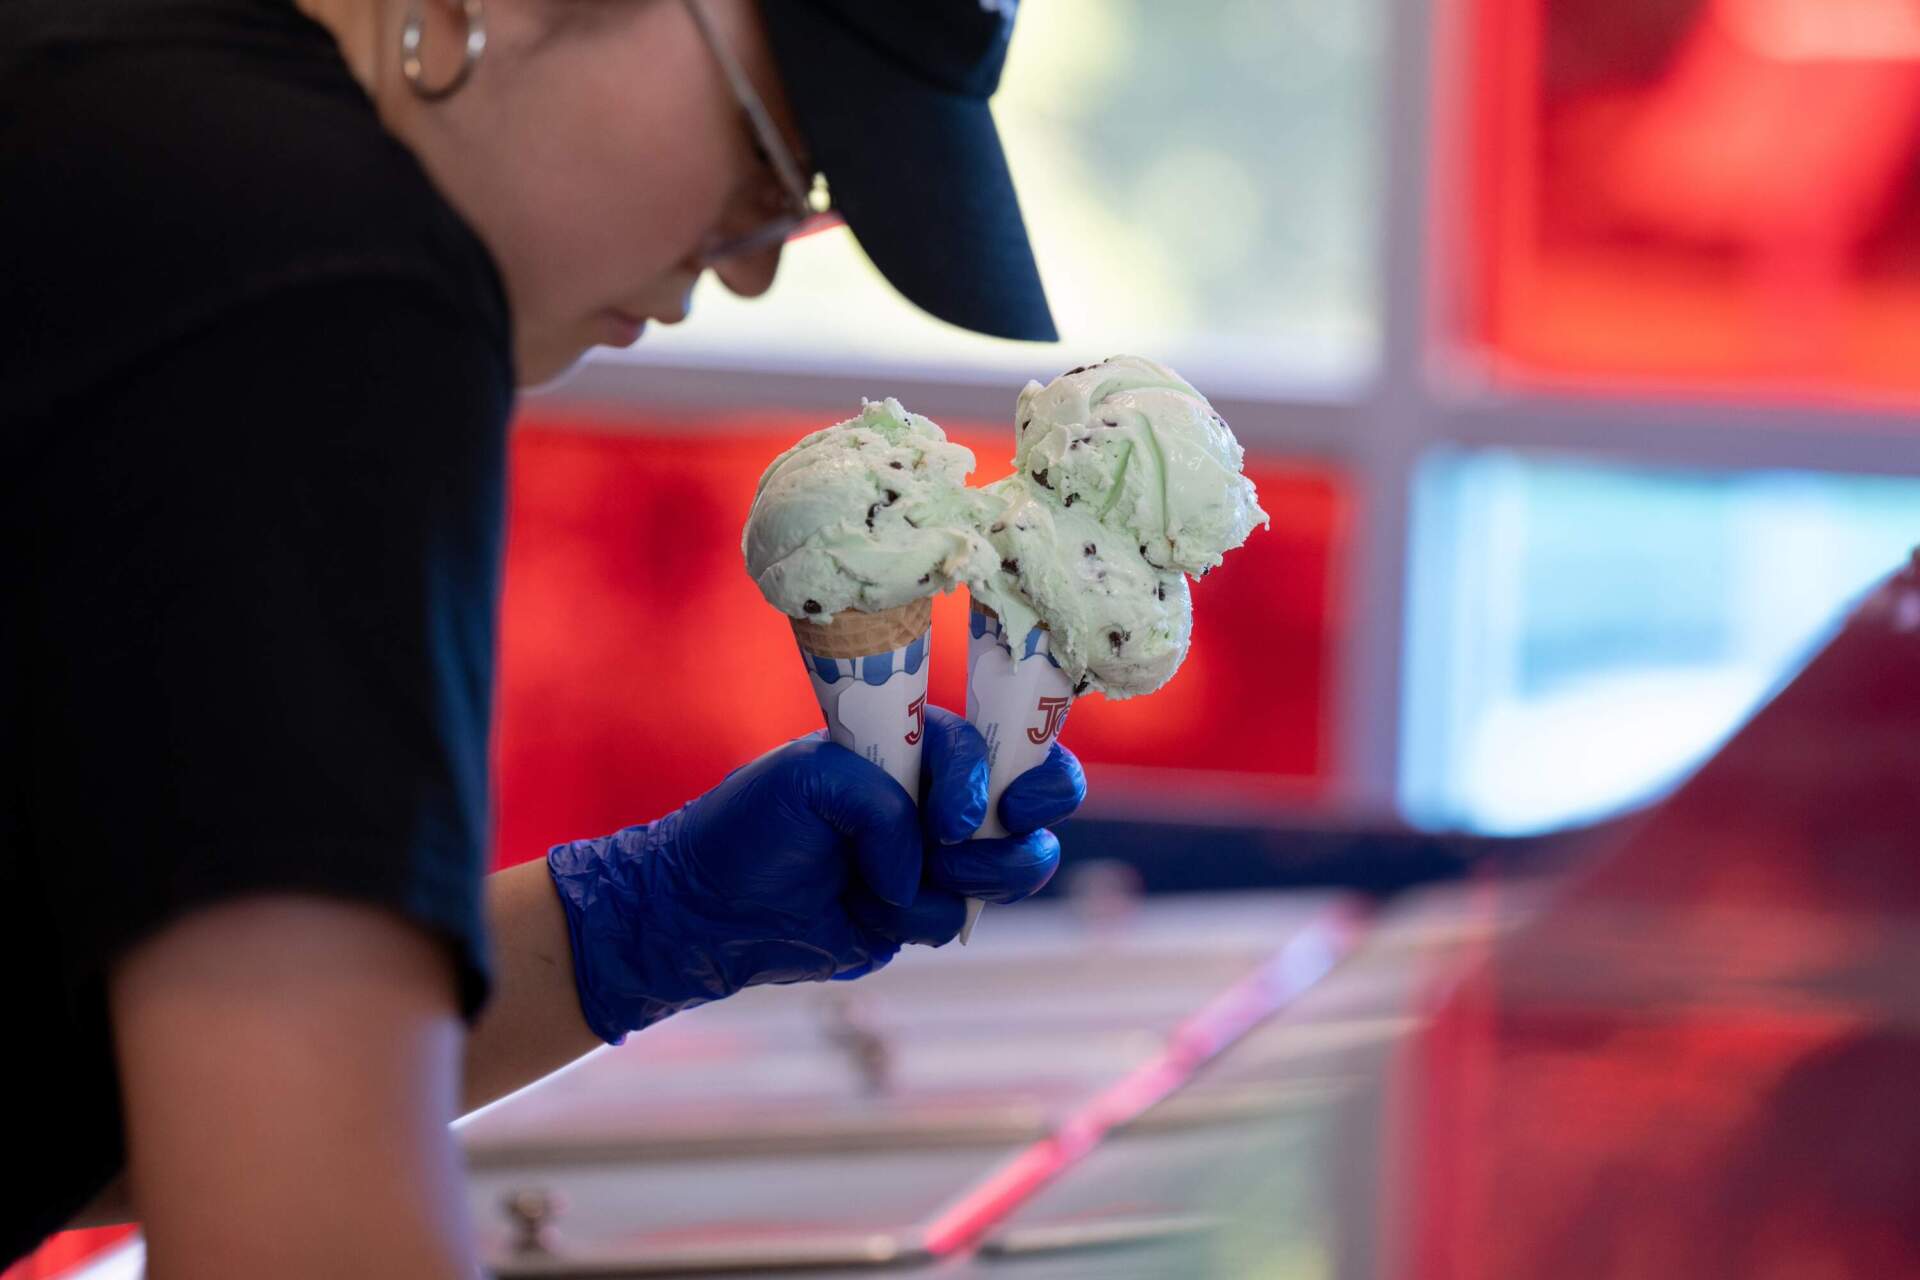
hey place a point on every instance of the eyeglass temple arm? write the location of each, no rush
(798, 185)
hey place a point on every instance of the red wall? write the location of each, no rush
(639, 663)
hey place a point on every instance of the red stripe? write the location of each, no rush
(1304, 961)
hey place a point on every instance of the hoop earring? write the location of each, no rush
(411, 66)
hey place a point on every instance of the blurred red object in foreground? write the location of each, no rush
(639, 663)
(1701, 1060)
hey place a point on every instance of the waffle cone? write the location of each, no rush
(853, 634)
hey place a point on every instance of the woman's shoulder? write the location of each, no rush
(189, 159)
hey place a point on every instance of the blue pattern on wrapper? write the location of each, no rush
(875, 669)
(980, 624)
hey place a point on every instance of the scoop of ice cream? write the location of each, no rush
(1125, 481)
(1129, 442)
(1116, 623)
(869, 514)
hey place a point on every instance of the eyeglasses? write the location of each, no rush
(804, 204)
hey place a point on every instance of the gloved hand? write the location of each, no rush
(809, 863)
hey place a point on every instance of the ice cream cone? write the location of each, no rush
(869, 673)
(1018, 698)
(853, 634)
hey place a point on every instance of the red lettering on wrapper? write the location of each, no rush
(1055, 710)
(918, 710)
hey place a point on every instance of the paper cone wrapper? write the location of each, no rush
(1018, 706)
(869, 672)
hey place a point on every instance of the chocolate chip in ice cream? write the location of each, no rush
(811, 606)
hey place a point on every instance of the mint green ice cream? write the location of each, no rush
(1126, 482)
(870, 514)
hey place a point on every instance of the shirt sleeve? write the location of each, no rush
(262, 599)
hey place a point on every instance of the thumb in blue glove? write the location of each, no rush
(1002, 869)
(953, 803)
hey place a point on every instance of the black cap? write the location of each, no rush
(892, 96)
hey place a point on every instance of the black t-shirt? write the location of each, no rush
(254, 381)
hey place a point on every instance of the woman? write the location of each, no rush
(273, 272)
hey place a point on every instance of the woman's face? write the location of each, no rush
(596, 148)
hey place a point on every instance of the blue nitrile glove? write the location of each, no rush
(807, 864)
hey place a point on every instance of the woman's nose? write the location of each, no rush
(750, 274)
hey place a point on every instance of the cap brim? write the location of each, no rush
(919, 175)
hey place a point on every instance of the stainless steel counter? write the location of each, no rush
(845, 1127)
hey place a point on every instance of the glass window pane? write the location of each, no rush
(1582, 635)
(1699, 191)
(1199, 184)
